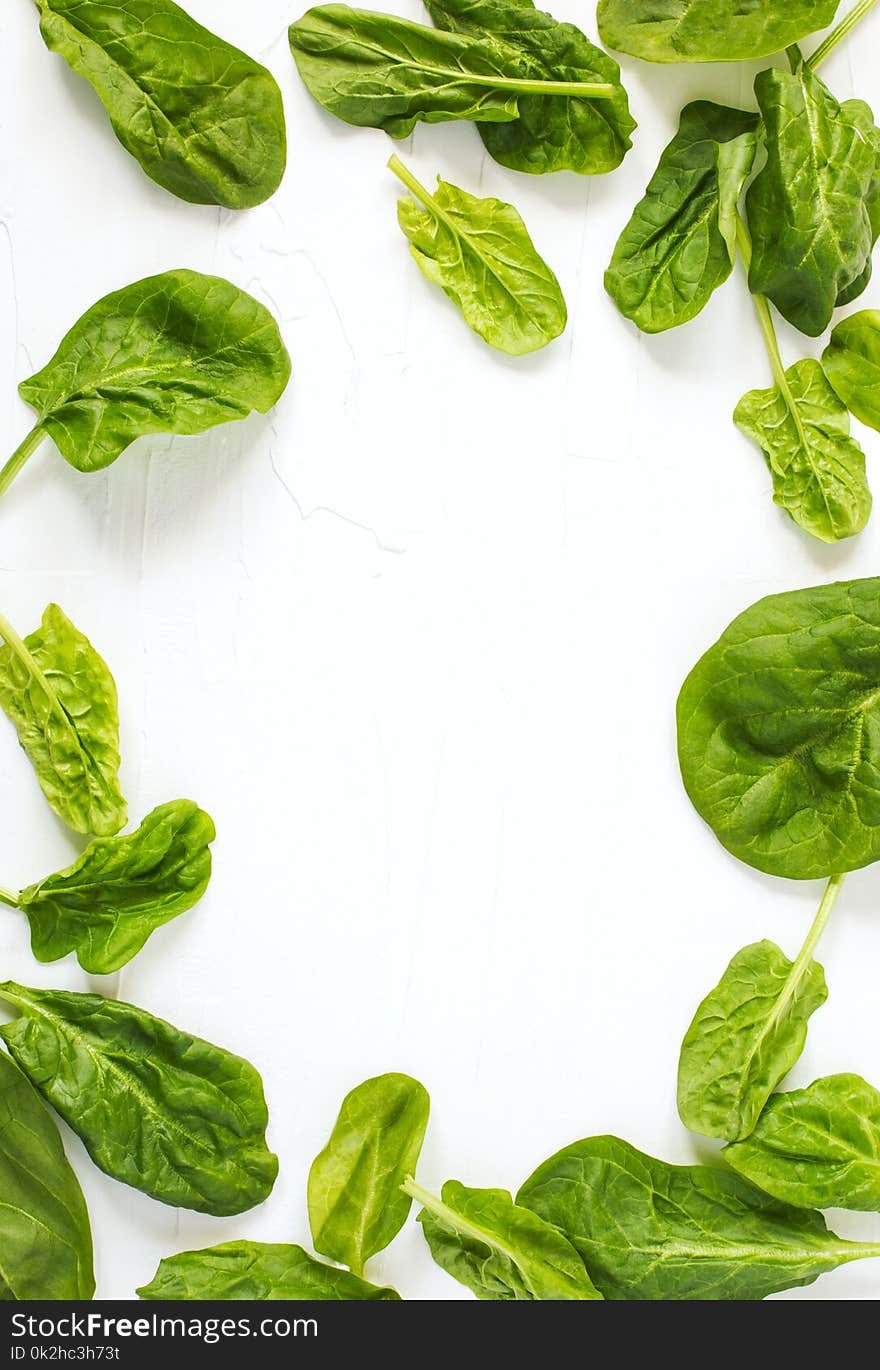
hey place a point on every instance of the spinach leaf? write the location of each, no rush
(852, 364)
(376, 71)
(356, 1205)
(709, 30)
(45, 1238)
(817, 1147)
(176, 353)
(256, 1270)
(818, 468)
(498, 1250)
(156, 1108)
(479, 252)
(808, 206)
(680, 243)
(745, 1037)
(61, 698)
(872, 204)
(106, 905)
(649, 1230)
(779, 732)
(204, 120)
(550, 132)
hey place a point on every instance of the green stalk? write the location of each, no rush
(18, 649)
(818, 926)
(454, 1220)
(580, 90)
(7, 897)
(415, 187)
(837, 35)
(20, 456)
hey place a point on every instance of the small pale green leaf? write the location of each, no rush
(45, 1238)
(256, 1270)
(852, 364)
(649, 1230)
(167, 1113)
(817, 1147)
(61, 697)
(498, 1250)
(709, 30)
(745, 1037)
(356, 1206)
(106, 905)
(818, 468)
(680, 243)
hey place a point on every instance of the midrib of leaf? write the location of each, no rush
(463, 1226)
(676, 250)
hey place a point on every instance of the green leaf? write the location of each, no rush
(808, 207)
(156, 1108)
(680, 243)
(61, 698)
(480, 254)
(256, 1270)
(818, 468)
(852, 364)
(542, 80)
(649, 1230)
(45, 1238)
(817, 1147)
(498, 1250)
(745, 1037)
(709, 30)
(204, 120)
(176, 353)
(106, 905)
(779, 732)
(356, 1206)
(550, 132)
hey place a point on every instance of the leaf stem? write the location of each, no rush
(20, 456)
(7, 897)
(581, 90)
(455, 1220)
(819, 924)
(404, 174)
(837, 35)
(18, 649)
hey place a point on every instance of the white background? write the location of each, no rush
(414, 640)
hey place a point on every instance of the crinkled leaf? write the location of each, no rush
(817, 1147)
(174, 1116)
(45, 1237)
(649, 1230)
(550, 132)
(779, 732)
(709, 30)
(204, 120)
(61, 697)
(818, 468)
(480, 253)
(745, 1037)
(680, 243)
(501, 1251)
(256, 1270)
(852, 364)
(808, 207)
(176, 353)
(356, 1206)
(106, 905)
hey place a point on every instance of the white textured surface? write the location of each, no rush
(414, 640)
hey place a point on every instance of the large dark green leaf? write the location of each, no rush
(256, 1270)
(45, 1238)
(649, 1230)
(174, 1116)
(106, 905)
(808, 207)
(745, 1037)
(498, 1250)
(709, 30)
(818, 468)
(779, 732)
(176, 353)
(852, 364)
(61, 697)
(356, 1205)
(551, 132)
(680, 243)
(817, 1147)
(204, 120)
(480, 253)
